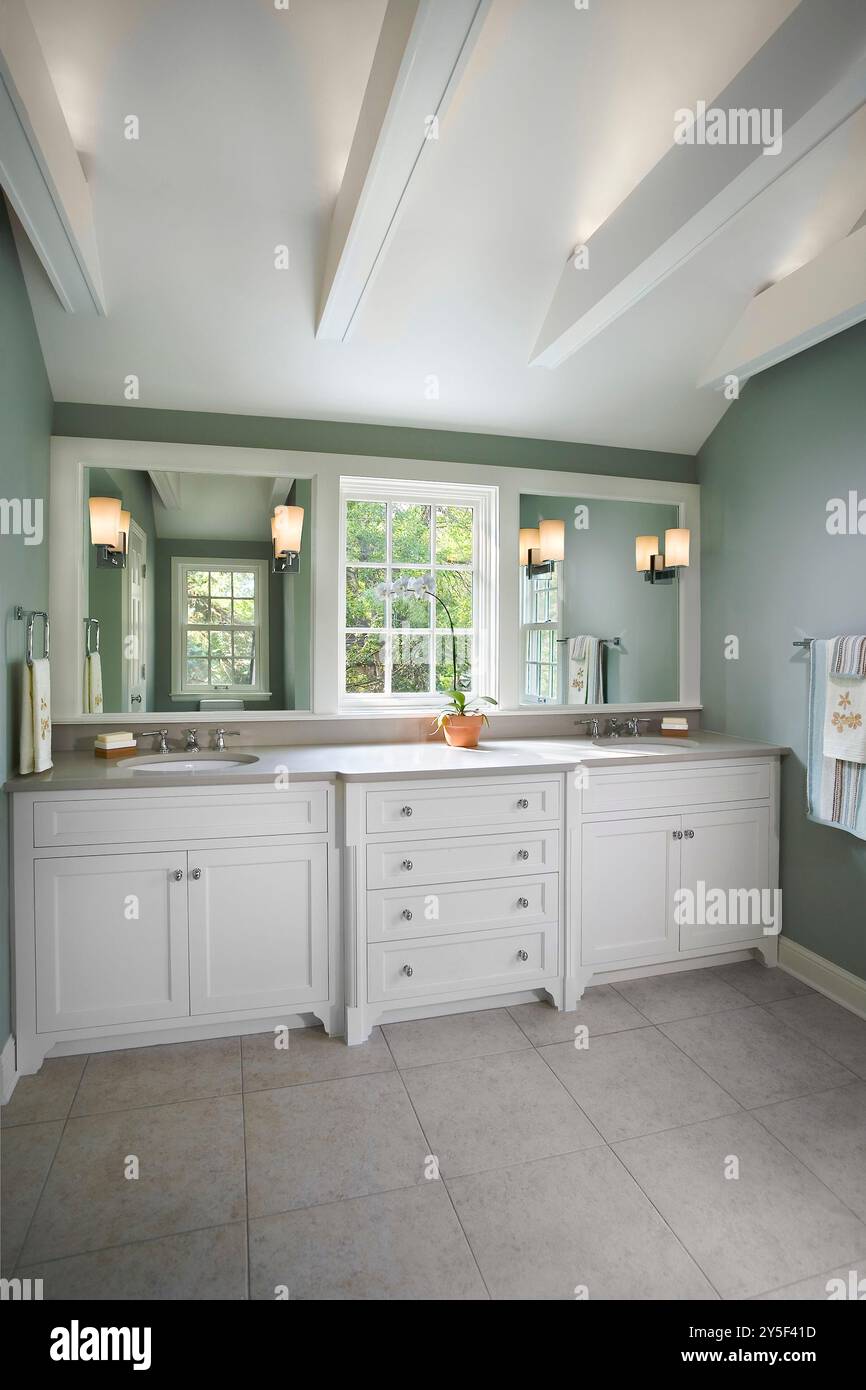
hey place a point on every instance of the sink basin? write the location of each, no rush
(643, 745)
(175, 763)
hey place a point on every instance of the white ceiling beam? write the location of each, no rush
(167, 487)
(423, 49)
(40, 171)
(279, 492)
(823, 297)
(813, 70)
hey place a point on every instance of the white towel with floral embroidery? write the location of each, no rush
(845, 707)
(35, 743)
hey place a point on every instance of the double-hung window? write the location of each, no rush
(396, 645)
(540, 624)
(219, 628)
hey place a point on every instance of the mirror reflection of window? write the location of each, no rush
(541, 627)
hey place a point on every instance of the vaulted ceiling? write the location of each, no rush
(441, 293)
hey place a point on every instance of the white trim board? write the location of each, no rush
(8, 1070)
(823, 975)
(70, 456)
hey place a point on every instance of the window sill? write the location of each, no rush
(244, 694)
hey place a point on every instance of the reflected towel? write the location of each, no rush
(35, 744)
(585, 679)
(92, 692)
(834, 787)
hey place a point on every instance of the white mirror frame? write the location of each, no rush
(68, 570)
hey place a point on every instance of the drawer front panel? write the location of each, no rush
(440, 909)
(454, 861)
(477, 961)
(661, 787)
(137, 819)
(492, 804)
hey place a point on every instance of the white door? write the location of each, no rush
(111, 940)
(135, 635)
(258, 927)
(727, 850)
(630, 870)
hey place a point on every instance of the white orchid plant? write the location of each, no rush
(424, 586)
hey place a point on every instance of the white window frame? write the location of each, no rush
(180, 690)
(527, 627)
(485, 568)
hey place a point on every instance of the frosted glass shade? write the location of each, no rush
(287, 524)
(644, 549)
(104, 521)
(552, 539)
(677, 546)
(529, 540)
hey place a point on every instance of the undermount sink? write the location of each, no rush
(643, 745)
(175, 763)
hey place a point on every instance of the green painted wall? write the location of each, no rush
(25, 429)
(772, 573)
(216, 550)
(388, 441)
(606, 597)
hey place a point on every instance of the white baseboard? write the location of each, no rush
(838, 984)
(8, 1070)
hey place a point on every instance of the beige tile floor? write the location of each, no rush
(232, 1169)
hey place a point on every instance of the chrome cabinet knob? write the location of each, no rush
(523, 902)
(406, 914)
(405, 810)
(407, 864)
(407, 970)
(177, 875)
(677, 834)
(523, 854)
(689, 834)
(523, 955)
(523, 803)
(196, 874)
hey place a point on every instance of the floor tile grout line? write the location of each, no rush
(17, 1261)
(125, 1244)
(809, 1169)
(429, 1148)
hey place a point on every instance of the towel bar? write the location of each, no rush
(605, 641)
(804, 642)
(31, 618)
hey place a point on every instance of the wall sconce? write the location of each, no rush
(109, 532)
(540, 546)
(287, 523)
(657, 568)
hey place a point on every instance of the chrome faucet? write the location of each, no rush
(594, 725)
(220, 736)
(161, 734)
(633, 725)
(615, 727)
(192, 741)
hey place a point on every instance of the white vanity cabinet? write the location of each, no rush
(223, 916)
(452, 892)
(639, 837)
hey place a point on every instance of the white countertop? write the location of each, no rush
(364, 762)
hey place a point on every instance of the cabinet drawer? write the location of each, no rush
(454, 861)
(447, 806)
(457, 963)
(396, 914)
(663, 787)
(206, 815)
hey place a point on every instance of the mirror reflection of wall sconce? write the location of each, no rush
(109, 532)
(662, 568)
(287, 523)
(540, 546)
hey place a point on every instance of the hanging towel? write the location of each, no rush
(834, 787)
(845, 709)
(35, 746)
(585, 679)
(92, 693)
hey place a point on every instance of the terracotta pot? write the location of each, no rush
(463, 730)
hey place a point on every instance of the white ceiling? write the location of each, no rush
(247, 116)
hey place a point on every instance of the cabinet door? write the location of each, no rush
(258, 927)
(727, 850)
(111, 937)
(630, 870)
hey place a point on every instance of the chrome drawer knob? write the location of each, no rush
(406, 914)
(177, 875)
(196, 874)
(406, 811)
(523, 902)
(523, 854)
(407, 864)
(523, 803)
(677, 834)
(523, 955)
(407, 970)
(689, 834)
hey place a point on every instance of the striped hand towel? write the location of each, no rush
(834, 786)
